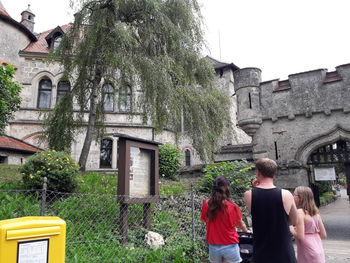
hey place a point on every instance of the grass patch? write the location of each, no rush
(10, 177)
(9, 172)
(168, 186)
(97, 183)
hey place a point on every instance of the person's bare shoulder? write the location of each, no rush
(248, 198)
(287, 196)
(289, 206)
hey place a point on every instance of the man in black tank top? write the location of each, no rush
(271, 209)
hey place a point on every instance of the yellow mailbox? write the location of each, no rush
(33, 239)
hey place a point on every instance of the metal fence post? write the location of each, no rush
(193, 215)
(43, 198)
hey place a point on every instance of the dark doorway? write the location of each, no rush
(347, 174)
(336, 155)
(106, 153)
(187, 157)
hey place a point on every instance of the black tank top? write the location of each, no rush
(272, 241)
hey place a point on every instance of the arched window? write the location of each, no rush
(187, 157)
(106, 153)
(108, 97)
(44, 98)
(125, 99)
(63, 87)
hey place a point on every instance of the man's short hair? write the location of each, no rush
(267, 167)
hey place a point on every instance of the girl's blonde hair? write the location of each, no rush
(307, 202)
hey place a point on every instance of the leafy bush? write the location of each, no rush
(324, 186)
(327, 198)
(169, 161)
(59, 168)
(236, 172)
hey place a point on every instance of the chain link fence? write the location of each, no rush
(96, 224)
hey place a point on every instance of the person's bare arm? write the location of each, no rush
(241, 225)
(248, 199)
(323, 233)
(299, 230)
(289, 206)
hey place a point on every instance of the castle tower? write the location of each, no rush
(28, 19)
(246, 84)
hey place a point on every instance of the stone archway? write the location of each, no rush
(334, 135)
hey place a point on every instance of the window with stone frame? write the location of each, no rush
(125, 99)
(63, 87)
(44, 95)
(106, 153)
(108, 98)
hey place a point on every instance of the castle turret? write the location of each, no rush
(246, 83)
(28, 19)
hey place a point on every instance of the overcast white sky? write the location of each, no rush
(280, 37)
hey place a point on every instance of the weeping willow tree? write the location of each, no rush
(152, 44)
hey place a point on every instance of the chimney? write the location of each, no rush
(28, 19)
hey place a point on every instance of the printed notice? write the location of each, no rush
(324, 174)
(33, 251)
(140, 172)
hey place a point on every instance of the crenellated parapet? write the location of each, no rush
(306, 93)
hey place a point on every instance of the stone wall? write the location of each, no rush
(14, 158)
(12, 41)
(290, 119)
(306, 94)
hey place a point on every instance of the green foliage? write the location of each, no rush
(59, 168)
(97, 183)
(172, 189)
(342, 181)
(60, 124)
(17, 204)
(10, 99)
(10, 177)
(9, 172)
(155, 45)
(327, 198)
(324, 186)
(236, 172)
(170, 161)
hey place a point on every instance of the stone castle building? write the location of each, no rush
(43, 85)
(302, 122)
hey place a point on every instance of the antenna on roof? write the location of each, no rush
(219, 45)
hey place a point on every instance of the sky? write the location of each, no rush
(280, 37)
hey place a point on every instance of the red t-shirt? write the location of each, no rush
(222, 229)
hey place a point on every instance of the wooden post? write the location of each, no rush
(123, 222)
(147, 215)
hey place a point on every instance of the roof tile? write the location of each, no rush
(11, 143)
(41, 45)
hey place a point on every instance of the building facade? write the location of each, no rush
(43, 85)
(302, 122)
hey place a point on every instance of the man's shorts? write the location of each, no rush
(224, 253)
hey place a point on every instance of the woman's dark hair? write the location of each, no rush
(219, 194)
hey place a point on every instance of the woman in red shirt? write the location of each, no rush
(221, 217)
